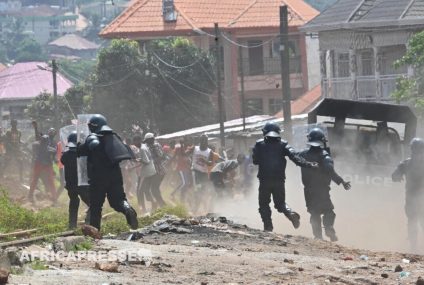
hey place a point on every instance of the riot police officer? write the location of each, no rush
(104, 150)
(75, 192)
(270, 154)
(316, 184)
(412, 169)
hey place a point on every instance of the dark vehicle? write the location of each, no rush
(367, 139)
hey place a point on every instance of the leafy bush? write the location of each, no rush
(15, 217)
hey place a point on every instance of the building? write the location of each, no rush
(44, 23)
(73, 46)
(249, 35)
(22, 82)
(10, 5)
(359, 40)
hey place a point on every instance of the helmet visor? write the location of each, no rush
(272, 134)
(316, 143)
(71, 144)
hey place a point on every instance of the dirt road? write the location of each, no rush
(213, 251)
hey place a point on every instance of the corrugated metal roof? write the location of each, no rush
(27, 81)
(367, 13)
(416, 10)
(253, 120)
(386, 10)
(337, 13)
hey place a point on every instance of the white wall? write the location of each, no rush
(313, 61)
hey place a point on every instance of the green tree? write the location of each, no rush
(29, 50)
(166, 89)
(411, 90)
(185, 80)
(77, 70)
(41, 110)
(78, 99)
(75, 101)
(18, 46)
(120, 85)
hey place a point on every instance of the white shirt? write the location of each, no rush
(200, 159)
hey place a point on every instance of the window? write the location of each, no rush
(367, 63)
(256, 57)
(254, 107)
(169, 13)
(388, 56)
(275, 106)
(343, 69)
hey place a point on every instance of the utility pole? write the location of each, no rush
(285, 70)
(243, 109)
(218, 84)
(56, 117)
(150, 86)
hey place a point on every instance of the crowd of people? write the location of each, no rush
(194, 174)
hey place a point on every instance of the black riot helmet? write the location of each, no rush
(417, 146)
(98, 123)
(271, 129)
(72, 139)
(316, 137)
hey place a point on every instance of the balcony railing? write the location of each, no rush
(268, 66)
(364, 88)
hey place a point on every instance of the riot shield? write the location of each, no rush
(82, 132)
(64, 133)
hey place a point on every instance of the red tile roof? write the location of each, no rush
(144, 17)
(304, 103)
(27, 81)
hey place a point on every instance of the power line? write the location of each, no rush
(178, 97)
(248, 46)
(115, 82)
(189, 87)
(174, 66)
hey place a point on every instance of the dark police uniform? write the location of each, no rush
(317, 190)
(413, 170)
(75, 192)
(270, 155)
(104, 150)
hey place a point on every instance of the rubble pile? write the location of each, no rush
(174, 224)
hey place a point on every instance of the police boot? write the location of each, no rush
(293, 217)
(268, 226)
(316, 226)
(95, 218)
(73, 218)
(328, 221)
(265, 213)
(331, 233)
(130, 215)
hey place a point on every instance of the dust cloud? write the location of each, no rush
(368, 217)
